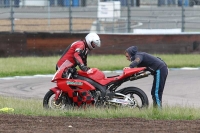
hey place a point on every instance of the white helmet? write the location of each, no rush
(93, 40)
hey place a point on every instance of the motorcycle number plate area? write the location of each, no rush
(80, 83)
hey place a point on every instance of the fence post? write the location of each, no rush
(97, 24)
(183, 16)
(56, 2)
(129, 16)
(70, 16)
(12, 16)
(49, 12)
(23, 3)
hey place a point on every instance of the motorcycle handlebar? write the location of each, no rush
(72, 70)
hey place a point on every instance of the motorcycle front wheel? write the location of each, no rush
(137, 95)
(63, 102)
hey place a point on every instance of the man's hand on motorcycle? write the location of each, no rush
(126, 68)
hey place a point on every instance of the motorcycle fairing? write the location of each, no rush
(78, 96)
(100, 77)
(58, 75)
(97, 76)
(131, 71)
(56, 91)
(81, 96)
(97, 85)
(67, 84)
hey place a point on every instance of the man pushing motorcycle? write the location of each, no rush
(155, 65)
(76, 53)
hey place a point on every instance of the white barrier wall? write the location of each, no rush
(156, 31)
(33, 3)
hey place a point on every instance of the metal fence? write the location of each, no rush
(102, 16)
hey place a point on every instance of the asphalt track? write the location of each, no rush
(182, 87)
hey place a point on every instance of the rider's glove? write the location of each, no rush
(84, 68)
(89, 71)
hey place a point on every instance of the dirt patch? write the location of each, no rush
(41, 124)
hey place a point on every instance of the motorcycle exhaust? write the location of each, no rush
(142, 75)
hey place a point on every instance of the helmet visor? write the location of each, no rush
(93, 45)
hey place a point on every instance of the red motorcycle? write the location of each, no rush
(78, 88)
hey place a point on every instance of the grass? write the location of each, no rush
(18, 66)
(181, 60)
(34, 108)
(14, 66)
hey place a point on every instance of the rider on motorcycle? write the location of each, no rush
(76, 53)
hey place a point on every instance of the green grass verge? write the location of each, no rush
(18, 66)
(34, 108)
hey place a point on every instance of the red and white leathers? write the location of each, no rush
(75, 54)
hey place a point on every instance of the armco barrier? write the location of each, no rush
(46, 44)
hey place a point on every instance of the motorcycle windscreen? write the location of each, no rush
(66, 64)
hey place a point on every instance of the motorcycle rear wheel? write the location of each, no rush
(63, 102)
(138, 95)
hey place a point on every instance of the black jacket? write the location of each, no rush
(142, 59)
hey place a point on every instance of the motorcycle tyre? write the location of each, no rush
(47, 97)
(139, 92)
